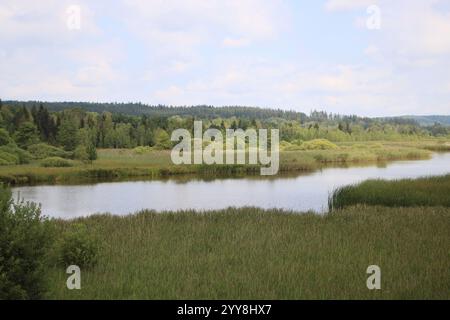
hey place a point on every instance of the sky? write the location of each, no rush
(364, 57)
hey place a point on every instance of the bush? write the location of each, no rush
(92, 152)
(78, 248)
(85, 153)
(142, 150)
(8, 158)
(43, 150)
(80, 153)
(12, 154)
(318, 144)
(25, 240)
(4, 137)
(56, 162)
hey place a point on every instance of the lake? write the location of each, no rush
(299, 193)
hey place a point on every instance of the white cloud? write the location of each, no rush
(234, 52)
(198, 21)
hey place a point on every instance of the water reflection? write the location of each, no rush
(300, 192)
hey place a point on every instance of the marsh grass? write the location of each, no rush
(429, 191)
(251, 253)
(126, 164)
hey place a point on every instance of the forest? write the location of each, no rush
(75, 130)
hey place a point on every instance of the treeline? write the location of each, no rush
(81, 131)
(137, 109)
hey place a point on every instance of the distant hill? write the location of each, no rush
(201, 111)
(211, 112)
(429, 120)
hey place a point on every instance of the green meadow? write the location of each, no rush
(250, 253)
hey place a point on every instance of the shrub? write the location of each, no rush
(25, 241)
(142, 150)
(8, 158)
(80, 153)
(43, 150)
(4, 137)
(12, 154)
(318, 144)
(56, 162)
(78, 248)
(92, 152)
(291, 147)
(297, 142)
(85, 153)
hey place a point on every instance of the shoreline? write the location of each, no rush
(126, 166)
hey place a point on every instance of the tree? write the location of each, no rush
(4, 137)
(162, 139)
(44, 122)
(25, 240)
(92, 152)
(80, 153)
(26, 135)
(67, 135)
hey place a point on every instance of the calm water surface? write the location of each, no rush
(300, 193)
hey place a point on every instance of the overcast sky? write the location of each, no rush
(360, 57)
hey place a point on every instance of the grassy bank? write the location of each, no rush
(255, 254)
(125, 164)
(430, 191)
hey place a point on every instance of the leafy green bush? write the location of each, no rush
(318, 144)
(12, 154)
(25, 240)
(92, 152)
(142, 150)
(80, 153)
(8, 158)
(85, 153)
(56, 162)
(286, 146)
(79, 248)
(43, 150)
(4, 137)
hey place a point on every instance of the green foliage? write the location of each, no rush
(162, 139)
(85, 153)
(7, 158)
(80, 153)
(11, 154)
(121, 127)
(318, 144)
(78, 248)
(431, 191)
(67, 134)
(26, 135)
(142, 150)
(25, 239)
(43, 150)
(91, 151)
(4, 137)
(56, 162)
